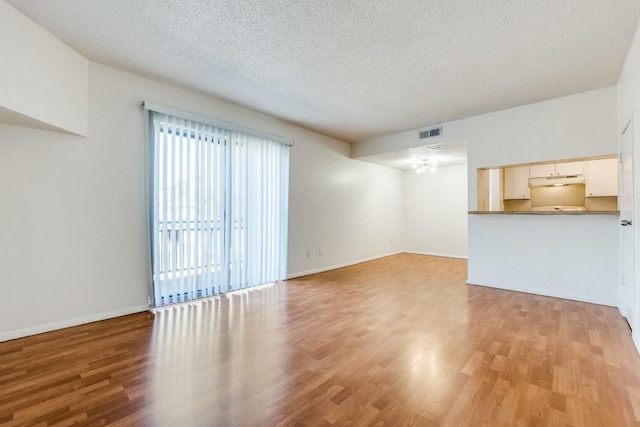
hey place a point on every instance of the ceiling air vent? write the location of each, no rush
(431, 132)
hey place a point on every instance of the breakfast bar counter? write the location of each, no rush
(544, 212)
(572, 255)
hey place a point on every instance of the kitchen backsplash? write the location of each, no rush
(601, 203)
(567, 195)
(517, 205)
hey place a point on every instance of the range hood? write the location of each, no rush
(546, 181)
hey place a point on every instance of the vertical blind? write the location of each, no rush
(218, 209)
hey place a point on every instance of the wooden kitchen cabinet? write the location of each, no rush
(570, 168)
(516, 183)
(557, 169)
(601, 178)
(538, 171)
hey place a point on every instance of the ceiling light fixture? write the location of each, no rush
(424, 165)
(424, 158)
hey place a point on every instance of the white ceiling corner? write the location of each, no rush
(359, 69)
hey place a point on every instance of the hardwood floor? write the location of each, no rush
(398, 341)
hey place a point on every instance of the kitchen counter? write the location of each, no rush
(544, 213)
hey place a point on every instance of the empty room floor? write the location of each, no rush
(397, 341)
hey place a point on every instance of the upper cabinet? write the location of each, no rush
(516, 183)
(570, 168)
(601, 178)
(525, 186)
(542, 170)
(558, 169)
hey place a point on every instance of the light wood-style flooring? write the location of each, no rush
(398, 341)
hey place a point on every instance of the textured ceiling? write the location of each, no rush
(361, 68)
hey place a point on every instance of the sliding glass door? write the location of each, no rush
(218, 209)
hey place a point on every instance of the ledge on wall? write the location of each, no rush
(14, 118)
(44, 84)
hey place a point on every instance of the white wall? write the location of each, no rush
(350, 210)
(576, 126)
(74, 244)
(511, 252)
(629, 107)
(436, 212)
(453, 132)
(43, 82)
(629, 85)
(565, 256)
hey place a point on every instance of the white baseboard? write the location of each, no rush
(580, 298)
(6, 336)
(438, 254)
(336, 266)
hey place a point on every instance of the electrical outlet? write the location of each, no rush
(320, 252)
(308, 254)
